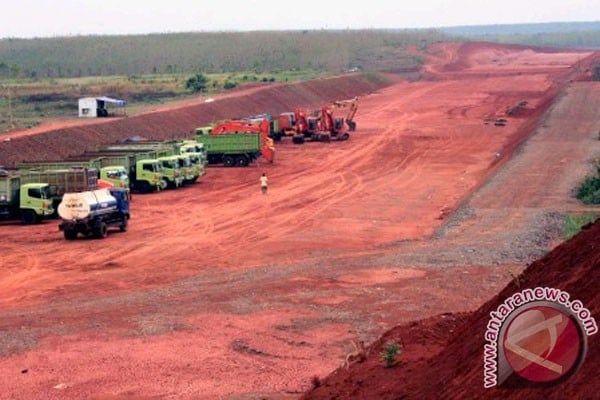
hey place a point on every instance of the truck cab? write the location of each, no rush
(198, 164)
(31, 201)
(149, 176)
(197, 154)
(189, 170)
(115, 174)
(35, 202)
(204, 130)
(172, 172)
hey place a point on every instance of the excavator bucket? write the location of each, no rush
(268, 146)
(268, 153)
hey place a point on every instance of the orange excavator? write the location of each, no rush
(312, 128)
(323, 126)
(352, 105)
(267, 148)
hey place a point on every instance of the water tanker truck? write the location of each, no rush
(30, 202)
(93, 212)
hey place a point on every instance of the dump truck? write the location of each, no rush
(173, 168)
(30, 202)
(190, 169)
(144, 171)
(197, 155)
(62, 181)
(115, 174)
(236, 143)
(94, 212)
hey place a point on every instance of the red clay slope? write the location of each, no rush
(180, 122)
(456, 372)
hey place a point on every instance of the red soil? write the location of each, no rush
(217, 290)
(443, 356)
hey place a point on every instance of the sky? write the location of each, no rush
(48, 18)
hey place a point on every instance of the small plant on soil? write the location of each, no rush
(389, 353)
(315, 381)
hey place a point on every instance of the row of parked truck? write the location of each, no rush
(91, 191)
(34, 189)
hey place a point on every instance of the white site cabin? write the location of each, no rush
(95, 107)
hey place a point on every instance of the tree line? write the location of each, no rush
(218, 52)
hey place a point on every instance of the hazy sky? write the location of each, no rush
(42, 18)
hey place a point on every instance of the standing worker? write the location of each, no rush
(263, 183)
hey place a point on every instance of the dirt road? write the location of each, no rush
(218, 290)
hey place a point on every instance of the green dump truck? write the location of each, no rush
(190, 164)
(115, 174)
(238, 149)
(144, 171)
(196, 153)
(30, 202)
(172, 169)
(61, 181)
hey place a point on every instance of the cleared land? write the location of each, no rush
(217, 290)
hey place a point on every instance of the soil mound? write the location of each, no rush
(180, 122)
(456, 372)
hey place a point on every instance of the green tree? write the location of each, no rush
(197, 83)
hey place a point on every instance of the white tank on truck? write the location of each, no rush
(94, 212)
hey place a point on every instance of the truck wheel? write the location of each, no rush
(298, 139)
(242, 161)
(323, 137)
(70, 234)
(101, 230)
(123, 226)
(29, 217)
(228, 161)
(165, 183)
(145, 187)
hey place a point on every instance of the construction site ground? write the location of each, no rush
(219, 291)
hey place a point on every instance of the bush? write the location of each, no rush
(389, 353)
(229, 85)
(574, 223)
(196, 83)
(589, 191)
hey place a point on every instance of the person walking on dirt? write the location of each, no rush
(263, 183)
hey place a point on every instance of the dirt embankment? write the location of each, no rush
(430, 369)
(180, 122)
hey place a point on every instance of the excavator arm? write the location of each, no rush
(352, 105)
